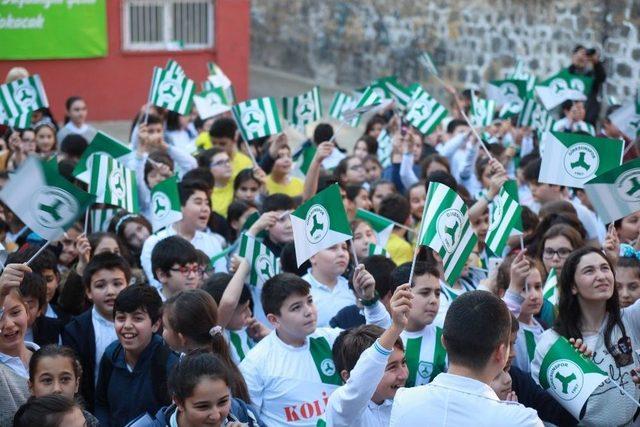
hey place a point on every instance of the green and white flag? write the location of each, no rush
(506, 214)
(263, 263)
(23, 121)
(535, 116)
(447, 230)
(519, 73)
(319, 223)
(425, 113)
(377, 250)
(217, 77)
(380, 225)
(400, 93)
(550, 289)
(99, 219)
(368, 99)
(563, 86)
(257, 118)
(341, 103)
(165, 203)
(627, 119)
(571, 159)
(385, 148)
(303, 158)
(23, 95)
(568, 376)
(212, 102)
(174, 69)
(43, 199)
(482, 111)
(616, 193)
(509, 94)
(100, 144)
(113, 184)
(585, 127)
(426, 61)
(303, 109)
(172, 92)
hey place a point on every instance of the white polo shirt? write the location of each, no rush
(329, 301)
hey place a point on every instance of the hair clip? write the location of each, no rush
(215, 331)
(123, 219)
(627, 251)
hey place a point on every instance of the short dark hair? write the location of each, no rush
(380, 267)
(395, 207)
(531, 172)
(204, 158)
(223, 127)
(443, 178)
(350, 344)
(186, 188)
(156, 157)
(151, 119)
(44, 411)
(33, 285)
(200, 174)
(277, 202)
(136, 297)
(190, 369)
(278, 288)
(217, 284)
(323, 132)
(400, 275)
(477, 322)
(73, 145)
(105, 261)
(46, 260)
(169, 251)
(288, 260)
(453, 124)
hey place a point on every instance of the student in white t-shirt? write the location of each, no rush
(371, 362)
(476, 334)
(290, 373)
(330, 290)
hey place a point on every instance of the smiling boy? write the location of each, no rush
(137, 364)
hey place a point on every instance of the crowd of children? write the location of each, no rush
(126, 326)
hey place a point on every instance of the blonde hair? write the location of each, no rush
(16, 73)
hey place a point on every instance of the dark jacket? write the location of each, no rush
(240, 412)
(122, 395)
(533, 396)
(592, 105)
(46, 331)
(80, 336)
(347, 318)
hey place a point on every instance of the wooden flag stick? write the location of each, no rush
(253, 159)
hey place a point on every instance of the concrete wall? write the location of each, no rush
(349, 43)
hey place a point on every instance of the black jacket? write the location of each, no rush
(80, 336)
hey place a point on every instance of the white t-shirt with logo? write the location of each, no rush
(424, 353)
(284, 383)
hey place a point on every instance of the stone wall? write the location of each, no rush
(349, 43)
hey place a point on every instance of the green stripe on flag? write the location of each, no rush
(257, 118)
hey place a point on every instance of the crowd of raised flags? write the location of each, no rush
(501, 191)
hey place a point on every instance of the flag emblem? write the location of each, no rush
(265, 267)
(449, 224)
(25, 96)
(317, 224)
(496, 213)
(161, 205)
(169, 91)
(117, 184)
(565, 378)
(628, 185)
(54, 207)
(559, 84)
(581, 161)
(328, 367)
(253, 119)
(305, 110)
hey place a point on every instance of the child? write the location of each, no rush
(628, 278)
(396, 208)
(132, 230)
(138, 364)
(276, 221)
(76, 120)
(224, 133)
(290, 373)
(524, 298)
(53, 410)
(371, 362)
(246, 188)
(46, 143)
(90, 333)
(56, 370)
(330, 290)
(195, 207)
(280, 179)
(501, 385)
(175, 265)
(40, 329)
(219, 163)
(476, 335)
(15, 352)
(363, 236)
(200, 387)
(426, 357)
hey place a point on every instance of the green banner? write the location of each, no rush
(51, 29)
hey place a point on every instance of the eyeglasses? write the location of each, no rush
(220, 163)
(185, 270)
(549, 253)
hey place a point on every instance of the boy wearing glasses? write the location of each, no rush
(175, 265)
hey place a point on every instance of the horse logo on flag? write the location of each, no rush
(449, 227)
(496, 212)
(264, 267)
(170, 91)
(558, 85)
(53, 207)
(117, 185)
(566, 378)
(628, 185)
(253, 119)
(304, 109)
(316, 223)
(581, 161)
(160, 204)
